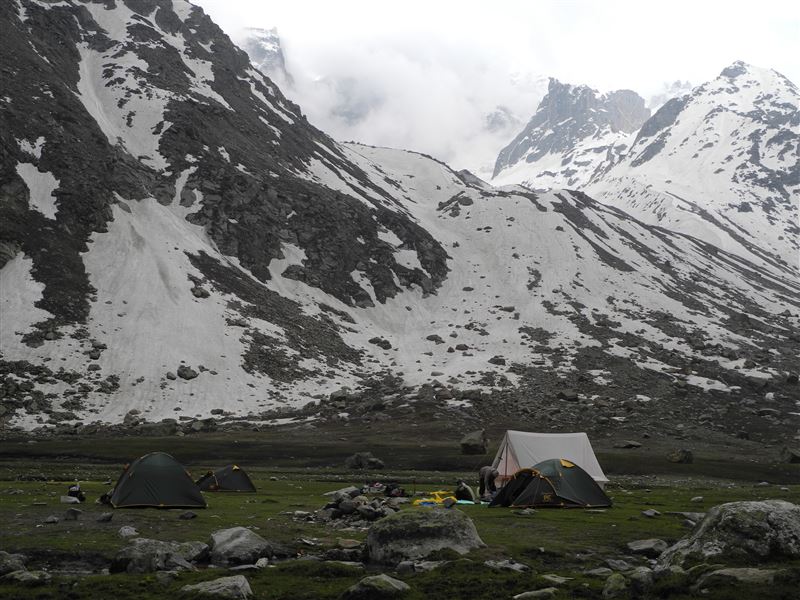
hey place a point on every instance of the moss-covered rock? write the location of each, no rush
(741, 532)
(412, 535)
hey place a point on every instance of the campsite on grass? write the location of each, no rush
(307, 530)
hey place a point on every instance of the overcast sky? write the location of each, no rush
(430, 71)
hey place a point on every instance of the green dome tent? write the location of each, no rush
(555, 482)
(156, 480)
(230, 478)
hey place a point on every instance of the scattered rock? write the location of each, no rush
(381, 343)
(185, 516)
(681, 456)
(143, 555)
(185, 372)
(754, 531)
(11, 562)
(602, 572)
(507, 565)
(127, 531)
(568, 394)
(743, 575)
(377, 587)
(790, 455)
(414, 535)
(28, 578)
(105, 517)
(556, 579)
(69, 500)
(543, 593)
(696, 500)
(627, 444)
(615, 585)
(72, 514)
(363, 460)
(650, 548)
(651, 513)
(235, 587)
(51, 519)
(475, 442)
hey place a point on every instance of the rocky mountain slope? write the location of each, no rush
(177, 240)
(720, 163)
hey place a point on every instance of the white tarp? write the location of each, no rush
(523, 449)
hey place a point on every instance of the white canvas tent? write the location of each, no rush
(522, 449)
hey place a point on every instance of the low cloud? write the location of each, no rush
(427, 75)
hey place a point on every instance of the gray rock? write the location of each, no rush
(742, 575)
(105, 517)
(650, 548)
(543, 593)
(235, 587)
(627, 444)
(143, 555)
(376, 587)
(52, 519)
(753, 531)
(28, 578)
(651, 513)
(185, 516)
(238, 546)
(641, 578)
(185, 372)
(614, 586)
(507, 565)
(556, 579)
(602, 572)
(69, 500)
(415, 535)
(363, 460)
(11, 562)
(790, 455)
(696, 499)
(474, 442)
(72, 514)
(681, 456)
(127, 531)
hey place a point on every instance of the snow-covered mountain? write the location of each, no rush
(175, 238)
(574, 133)
(720, 163)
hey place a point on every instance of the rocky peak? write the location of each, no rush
(735, 69)
(265, 50)
(576, 126)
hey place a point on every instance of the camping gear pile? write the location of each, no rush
(548, 470)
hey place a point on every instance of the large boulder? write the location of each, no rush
(752, 531)
(413, 535)
(11, 562)
(363, 460)
(236, 588)
(144, 555)
(475, 442)
(238, 546)
(377, 587)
